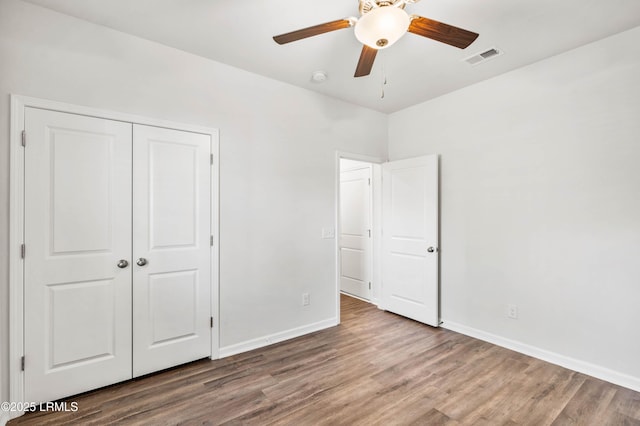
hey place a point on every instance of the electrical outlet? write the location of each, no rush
(305, 299)
(512, 311)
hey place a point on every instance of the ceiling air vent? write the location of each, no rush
(483, 56)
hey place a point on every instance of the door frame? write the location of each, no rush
(16, 221)
(376, 210)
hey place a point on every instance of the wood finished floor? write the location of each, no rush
(376, 368)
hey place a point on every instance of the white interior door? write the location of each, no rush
(77, 313)
(410, 238)
(171, 246)
(355, 230)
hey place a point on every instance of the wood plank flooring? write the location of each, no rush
(376, 368)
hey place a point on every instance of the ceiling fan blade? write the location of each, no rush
(441, 32)
(365, 63)
(313, 31)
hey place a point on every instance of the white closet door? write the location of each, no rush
(171, 222)
(410, 238)
(77, 316)
(355, 232)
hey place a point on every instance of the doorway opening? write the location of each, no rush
(357, 227)
(397, 271)
(356, 223)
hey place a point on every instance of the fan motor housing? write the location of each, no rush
(367, 5)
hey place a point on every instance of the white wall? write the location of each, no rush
(277, 150)
(541, 202)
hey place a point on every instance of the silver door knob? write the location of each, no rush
(432, 249)
(122, 264)
(141, 262)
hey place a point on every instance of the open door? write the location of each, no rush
(410, 216)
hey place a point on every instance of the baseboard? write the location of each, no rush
(580, 366)
(270, 339)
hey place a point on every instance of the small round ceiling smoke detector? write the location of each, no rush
(318, 76)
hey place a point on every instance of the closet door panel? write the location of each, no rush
(171, 245)
(77, 312)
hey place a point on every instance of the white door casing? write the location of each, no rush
(171, 223)
(77, 315)
(410, 238)
(356, 232)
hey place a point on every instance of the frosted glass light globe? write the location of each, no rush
(382, 27)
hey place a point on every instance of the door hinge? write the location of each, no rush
(369, 285)
(211, 322)
(369, 181)
(211, 159)
(211, 240)
(22, 364)
(369, 230)
(23, 250)
(24, 138)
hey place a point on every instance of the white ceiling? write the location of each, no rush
(239, 33)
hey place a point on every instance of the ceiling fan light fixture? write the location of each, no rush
(382, 27)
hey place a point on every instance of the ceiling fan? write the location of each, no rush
(382, 23)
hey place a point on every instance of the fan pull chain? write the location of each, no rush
(384, 80)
